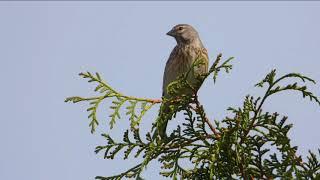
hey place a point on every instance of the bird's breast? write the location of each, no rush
(180, 62)
(185, 57)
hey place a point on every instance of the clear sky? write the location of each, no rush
(44, 45)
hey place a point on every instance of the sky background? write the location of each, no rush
(44, 45)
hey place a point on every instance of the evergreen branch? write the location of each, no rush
(270, 79)
(93, 115)
(295, 75)
(116, 146)
(201, 112)
(109, 92)
(116, 107)
(239, 146)
(132, 172)
(215, 68)
(295, 87)
(106, 87)
(144, 108)
(131, 110)
(171, 161)
(76, 99)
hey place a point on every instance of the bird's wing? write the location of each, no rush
(176, 65)
(203, 67)
(170, 72)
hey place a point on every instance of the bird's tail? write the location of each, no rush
(162, 121)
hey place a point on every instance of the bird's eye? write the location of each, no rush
(180, 28)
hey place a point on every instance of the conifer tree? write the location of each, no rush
(249, 144)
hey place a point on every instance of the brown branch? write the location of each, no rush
(215, 132)
(154, 101)
(198, 109)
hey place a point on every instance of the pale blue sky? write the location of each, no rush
(44, 45)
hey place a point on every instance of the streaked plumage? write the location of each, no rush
(180, 61)
(189, 48)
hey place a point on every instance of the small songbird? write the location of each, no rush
(189, 48)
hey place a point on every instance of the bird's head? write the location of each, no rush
(184, 34)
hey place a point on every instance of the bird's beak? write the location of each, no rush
(171, 33)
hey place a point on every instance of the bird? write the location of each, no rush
(188, 49)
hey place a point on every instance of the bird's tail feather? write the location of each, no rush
(162, 121)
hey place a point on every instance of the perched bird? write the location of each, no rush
(188, 49)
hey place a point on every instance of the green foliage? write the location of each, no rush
(250, 143)
(215, 68)
(119, 101)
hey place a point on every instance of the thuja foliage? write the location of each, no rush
(248, 144)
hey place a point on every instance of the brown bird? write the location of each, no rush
(188, 49)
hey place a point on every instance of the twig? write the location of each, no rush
(188, 142)
(200, 110)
